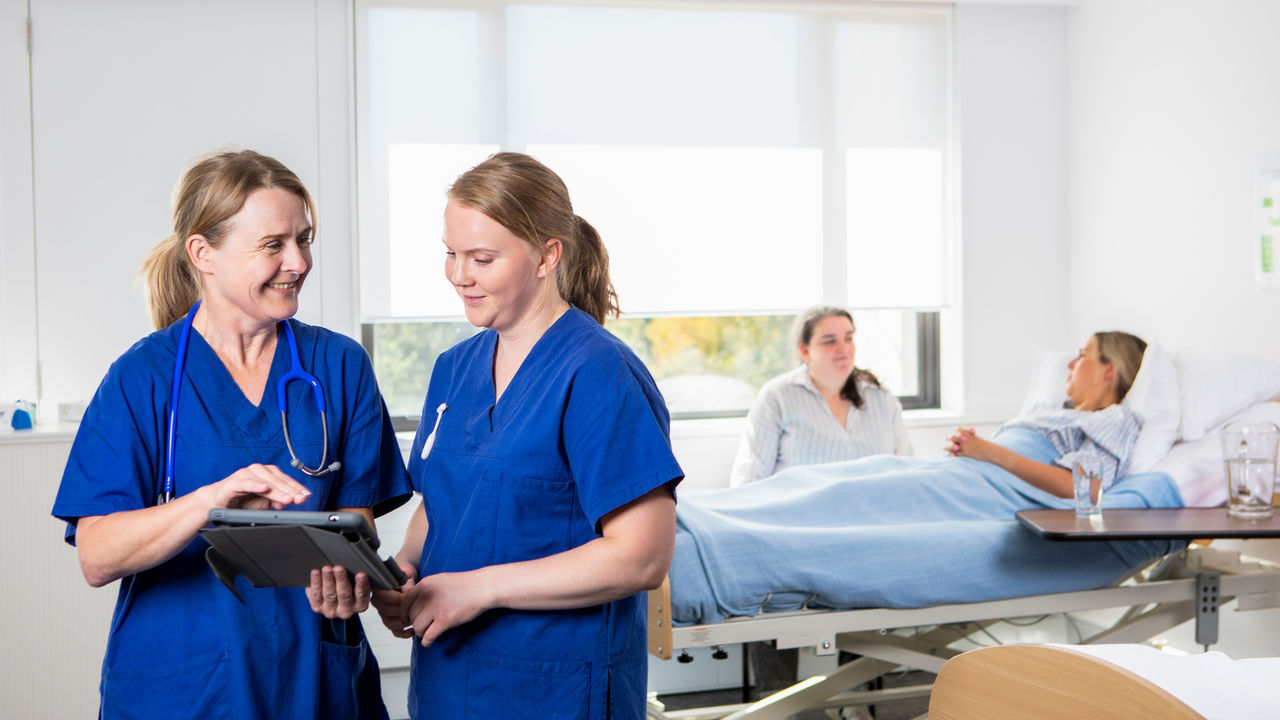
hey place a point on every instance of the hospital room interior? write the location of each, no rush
(982, 183)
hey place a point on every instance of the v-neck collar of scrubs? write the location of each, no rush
(205, 369)
(518, 388)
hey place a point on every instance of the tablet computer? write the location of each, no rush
(344, 522)
(280, 548)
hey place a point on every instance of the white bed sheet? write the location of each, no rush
(1212, 684)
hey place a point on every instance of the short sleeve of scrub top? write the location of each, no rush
(616, 436)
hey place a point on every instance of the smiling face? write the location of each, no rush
(830, 350)
(1091, 382)
(258, 268)
(501, 279)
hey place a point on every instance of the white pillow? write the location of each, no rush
(1048, 379)
(1196, 466)
(1213, 386)
(1153, 399)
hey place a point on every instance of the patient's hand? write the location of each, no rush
(966, 443)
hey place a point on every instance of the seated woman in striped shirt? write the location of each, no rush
(823, 411)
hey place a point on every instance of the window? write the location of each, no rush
(740, 162)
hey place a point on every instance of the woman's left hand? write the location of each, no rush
(442, 601)
(333, 595)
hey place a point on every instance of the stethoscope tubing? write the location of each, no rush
(179, 362)
(295, 373)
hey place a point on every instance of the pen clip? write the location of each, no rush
(431, 438)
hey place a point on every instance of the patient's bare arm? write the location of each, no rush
(1050, 478)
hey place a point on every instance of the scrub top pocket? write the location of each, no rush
(347, 674)
(545, 690)
(536, 515)
(195, 689)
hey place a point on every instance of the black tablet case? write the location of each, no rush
(285, 555)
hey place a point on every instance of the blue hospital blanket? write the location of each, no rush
(895, 532)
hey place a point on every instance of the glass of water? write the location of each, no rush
(1249, 451)
(1086, 475)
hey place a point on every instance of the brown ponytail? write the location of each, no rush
(528, 199)
(583, 275)
(210, 192)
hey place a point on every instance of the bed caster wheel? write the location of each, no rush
(684, 657)
(719, 654)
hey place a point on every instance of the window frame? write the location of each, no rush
(928, 373)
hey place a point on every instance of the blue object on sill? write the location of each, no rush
(21, 420)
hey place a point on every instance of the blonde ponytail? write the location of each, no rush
(172, 285)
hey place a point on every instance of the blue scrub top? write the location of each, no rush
(580, 431)
(181, 645)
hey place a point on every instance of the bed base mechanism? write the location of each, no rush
(1190, 584)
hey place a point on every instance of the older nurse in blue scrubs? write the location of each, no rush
(546, 472)
(223, 290)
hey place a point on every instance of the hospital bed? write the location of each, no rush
(1109, 682)
(1185, 585)
(1188, 585)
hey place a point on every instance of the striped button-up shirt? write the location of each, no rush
(790, 424)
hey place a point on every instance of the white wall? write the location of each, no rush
(122, 96)
(17, 251)
(1170, 104)
(1011, 69)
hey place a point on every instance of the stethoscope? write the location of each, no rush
(295, 373)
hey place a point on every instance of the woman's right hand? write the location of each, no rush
(130, 541)
(390, 604)
(257, 487)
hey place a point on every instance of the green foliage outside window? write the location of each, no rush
(750, 348)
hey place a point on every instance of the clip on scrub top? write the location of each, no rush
(280, 548)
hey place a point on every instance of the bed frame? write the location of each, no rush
(1189, 584)
(1048, 683)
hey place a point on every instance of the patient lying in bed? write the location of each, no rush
(911, 532)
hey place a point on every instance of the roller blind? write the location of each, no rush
(735, 161)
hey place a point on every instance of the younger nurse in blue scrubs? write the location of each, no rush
(546, 472)
(181, 645)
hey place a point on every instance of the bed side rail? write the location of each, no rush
(660, 620)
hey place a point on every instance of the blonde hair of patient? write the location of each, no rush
(1124, 351)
